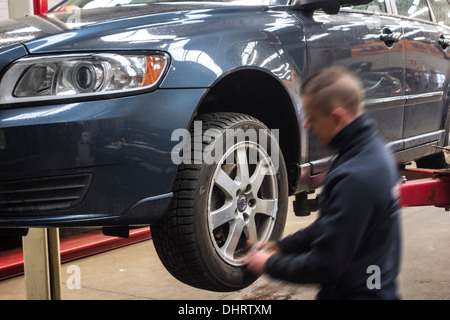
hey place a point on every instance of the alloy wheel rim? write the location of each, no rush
(242, 202)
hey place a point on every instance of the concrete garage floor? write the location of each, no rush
(135, 272)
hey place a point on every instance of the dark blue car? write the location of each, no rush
(186, 116)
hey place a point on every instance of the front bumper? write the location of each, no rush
(97, 163)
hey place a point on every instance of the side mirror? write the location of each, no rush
(329, 6)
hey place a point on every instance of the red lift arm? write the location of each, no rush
(426, 187)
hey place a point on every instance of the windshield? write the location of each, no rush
(93, 4)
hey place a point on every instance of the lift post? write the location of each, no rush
(42, 264)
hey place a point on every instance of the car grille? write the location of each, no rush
(43, 194)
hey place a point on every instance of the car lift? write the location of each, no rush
(43, 251)
(42, 262)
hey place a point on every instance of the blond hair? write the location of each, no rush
(333, 87)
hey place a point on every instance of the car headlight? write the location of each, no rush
(80, 75)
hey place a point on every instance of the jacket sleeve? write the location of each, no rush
(300, 241)
(338, 234)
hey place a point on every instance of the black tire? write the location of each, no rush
(203, 251)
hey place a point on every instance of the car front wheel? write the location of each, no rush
(229, 192)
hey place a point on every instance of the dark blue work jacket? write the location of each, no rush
(353, 248)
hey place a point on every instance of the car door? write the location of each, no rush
(426, 65)
(351, 39)
(441, 10)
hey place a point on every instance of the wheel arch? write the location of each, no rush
(254, 91)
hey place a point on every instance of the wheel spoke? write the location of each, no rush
(236, 229)
(258, 176)
(225, 183)
(242, 163)
(266, 207)
(222, 215)
(250, 231)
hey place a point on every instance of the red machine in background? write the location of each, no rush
(40, 6)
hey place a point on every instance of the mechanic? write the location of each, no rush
(353, 248)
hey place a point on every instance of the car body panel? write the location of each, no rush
(352, 40)
(230, 32)
(427, 74)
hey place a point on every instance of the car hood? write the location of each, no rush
(207, 40)
(39, 31)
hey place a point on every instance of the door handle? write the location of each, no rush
(389, 37)
(444, 42)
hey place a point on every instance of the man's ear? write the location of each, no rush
(341, 117)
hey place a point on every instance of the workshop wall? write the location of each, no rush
(52, 3)
(4, 9)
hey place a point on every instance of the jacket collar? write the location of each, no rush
(353, 134)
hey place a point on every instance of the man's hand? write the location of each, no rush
(270, 246)
(258, 256)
